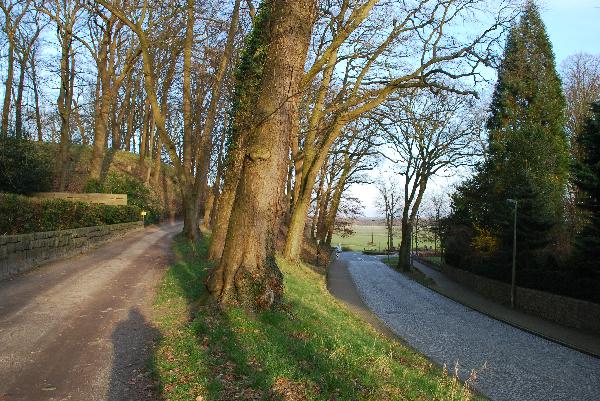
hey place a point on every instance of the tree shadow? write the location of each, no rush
(305, 349)
(267, 355)
(133, 344)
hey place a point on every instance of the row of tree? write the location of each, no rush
(534, 140)
(263, 112)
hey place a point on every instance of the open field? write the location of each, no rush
(361, 239)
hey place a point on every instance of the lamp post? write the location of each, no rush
(318, 249)
(372, 229)
(513, 288)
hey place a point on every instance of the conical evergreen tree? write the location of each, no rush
(528, 147)
(587, 178)
(528, 156)
(527, 140)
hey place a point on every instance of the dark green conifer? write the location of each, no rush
(587, 178)
(528, 154)
(527, 137)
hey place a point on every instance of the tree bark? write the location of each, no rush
(247, 273)
(8, 88)
(404, 249)
(19, 100)
(65, 97)
(233, 168)
(36, 97)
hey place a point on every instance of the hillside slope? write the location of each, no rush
(162, 187)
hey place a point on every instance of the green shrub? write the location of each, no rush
(20, 214)
(138, 194)
(23, 168)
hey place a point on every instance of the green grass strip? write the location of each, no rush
(311, 348)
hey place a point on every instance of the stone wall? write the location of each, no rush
(21, 253)
(563, 310)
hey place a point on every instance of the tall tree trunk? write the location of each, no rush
(8, 88)
(100, 131)
(208, 207)
(295, 233)
(247, 273)
(131, 109)
(204, 150)
(404, 249)
(216, 188)
(36, 97)
(335, 203)
(233, 167)
(19, 100)
(191, 229)
(65, 98)
(144, 137)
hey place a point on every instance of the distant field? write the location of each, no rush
(362, 238)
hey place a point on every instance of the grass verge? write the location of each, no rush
(413, 274)
(312, 348)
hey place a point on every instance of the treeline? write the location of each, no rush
(542, 164)
(266, 112)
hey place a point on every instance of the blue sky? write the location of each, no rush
(573, 26)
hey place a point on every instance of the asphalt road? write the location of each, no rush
(519, 366)
(79, 329)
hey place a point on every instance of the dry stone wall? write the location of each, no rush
(560, 309)
(21, 253)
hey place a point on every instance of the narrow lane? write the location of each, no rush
(517, 365)
(79, 329)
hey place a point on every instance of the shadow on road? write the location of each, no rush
(133, 344)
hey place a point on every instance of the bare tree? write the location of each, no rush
(353, 154)
(64, 14)
(410, 45)
(186, 157)
(581, 84)
(14, 12)
(390, 204)
(430, 133)
(28, 34)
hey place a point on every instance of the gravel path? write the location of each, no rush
(519, 366)
(80, 329)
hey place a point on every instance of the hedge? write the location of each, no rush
(20, 214)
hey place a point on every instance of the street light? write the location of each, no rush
(318, 249)
(372, 229)
(514, 259)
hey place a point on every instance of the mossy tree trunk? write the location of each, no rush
(247, 273)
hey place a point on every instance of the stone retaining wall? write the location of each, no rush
(20, 253)
(563, 310)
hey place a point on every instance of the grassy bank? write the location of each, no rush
(312, 348)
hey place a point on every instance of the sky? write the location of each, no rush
(573, 27)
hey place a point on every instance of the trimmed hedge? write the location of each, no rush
(24, 167)
(21, 215)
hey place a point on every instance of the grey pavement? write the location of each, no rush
(578, 339)
(512, 364)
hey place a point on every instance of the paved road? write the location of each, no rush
(79, 329)
(519, 366)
